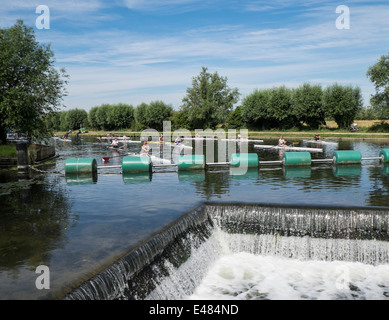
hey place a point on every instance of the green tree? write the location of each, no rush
(75, 119)
(156, 113)
(30, 85)
(53, 121)
(179, 120)
(255, 109)
(92, 120)
(140, 116)
(379, 75)
(342, 103)
(280, 109)
(307, 105)
(120, 116)
(102, 117)
(209, 100)
(235, 119)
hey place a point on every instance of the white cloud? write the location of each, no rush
(113, 64)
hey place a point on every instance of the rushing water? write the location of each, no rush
(78, 227)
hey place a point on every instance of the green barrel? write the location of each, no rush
(136, 164)
(244, 159)
(347, 157)
(191, 162)
(86, 165)
(384, 154)
(297, 159)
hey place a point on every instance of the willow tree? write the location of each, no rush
(379, 75)
(30, 85)
(342, 103)
(209, 101)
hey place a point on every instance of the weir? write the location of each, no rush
(172, 263)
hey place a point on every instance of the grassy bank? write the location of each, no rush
(8, 151)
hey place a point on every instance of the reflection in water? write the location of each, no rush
(81, 178)
(33, 222)
(189, 176)
(346, 170)
(136, 177)
(297, 172)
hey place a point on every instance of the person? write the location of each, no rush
(317, 137)
(67, 134)
(281, 142)
(115, 143)
(79, 131)
(145, 149)
(178, 140)
(161, 139)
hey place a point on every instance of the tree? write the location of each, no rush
(307, 105)
(92, 118)
(379, 75)
(342, 103)
(255, 109)
(101, 117)
(75, 119)
(235, 119)
(280, 109)
(209, 100)
(156, 113)
(120, 116)
(30, 85)
(140, 116)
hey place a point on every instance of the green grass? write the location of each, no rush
(8, 151)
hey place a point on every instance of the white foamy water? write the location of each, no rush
(248, 276)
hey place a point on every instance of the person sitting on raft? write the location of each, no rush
(281, 142)
(178, 140)
(145, 149)
(317, 137)
(115, 143)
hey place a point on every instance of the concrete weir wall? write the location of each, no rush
(39, 152)
(171, 263)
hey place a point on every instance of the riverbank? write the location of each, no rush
(36, 154)
(339, 135)
(369, 129)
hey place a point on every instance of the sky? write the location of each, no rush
(135, 51)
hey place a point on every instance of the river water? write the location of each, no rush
(78, 226)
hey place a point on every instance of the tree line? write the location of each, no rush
(266, 109)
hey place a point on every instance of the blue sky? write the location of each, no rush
(135, 51)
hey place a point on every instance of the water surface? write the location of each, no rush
(77, 226)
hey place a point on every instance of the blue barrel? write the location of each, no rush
(347, 157)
